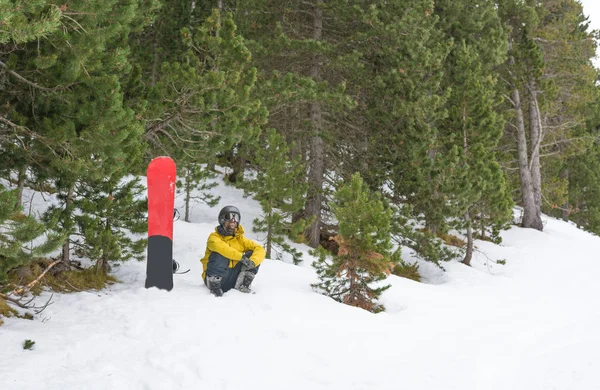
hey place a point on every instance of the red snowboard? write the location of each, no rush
(161, 199)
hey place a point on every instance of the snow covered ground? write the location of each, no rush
(530, 324)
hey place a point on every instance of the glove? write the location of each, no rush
(247, 263)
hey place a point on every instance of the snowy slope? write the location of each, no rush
(531, 324)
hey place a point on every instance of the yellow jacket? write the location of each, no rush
(232, 247)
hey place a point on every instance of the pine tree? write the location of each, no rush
(202, 102)
(112, 223)
(583, 173)
(26, 21)
(21, 22)
(364, 256)
(402, 105)
(477, 189)
(584, 190)
(83, 133)
(279, 186)
(17, 234)
(550, 82)
(566, 98)
(304, 53)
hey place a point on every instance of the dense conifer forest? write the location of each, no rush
(429, 120)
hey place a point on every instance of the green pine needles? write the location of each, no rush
(279, 187)
(364, 256)
(21, 236)
(28, 344)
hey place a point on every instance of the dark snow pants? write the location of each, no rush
(218, 265)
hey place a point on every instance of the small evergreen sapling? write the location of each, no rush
(112, 223)
(28, 344)
(364, 256)
(17, 232)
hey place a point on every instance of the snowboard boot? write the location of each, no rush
(214, 285)
(244, 281)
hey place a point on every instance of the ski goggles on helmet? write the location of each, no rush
(229, 217)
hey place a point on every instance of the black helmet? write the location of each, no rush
(228, 213)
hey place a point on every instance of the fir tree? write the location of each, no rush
(363, 258)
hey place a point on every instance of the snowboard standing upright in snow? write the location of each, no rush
(161, 199)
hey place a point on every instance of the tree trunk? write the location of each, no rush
(188, 195)
(317, 146)
(531, 218)
(66, 249)
(536, 137)
(565, 207)
(298, 149)
(469, 253)
(269, 243)
(237, 164)
(102, 267)
(20, 186)
(155, 59)
(470, 244)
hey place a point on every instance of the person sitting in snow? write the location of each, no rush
(231, 260)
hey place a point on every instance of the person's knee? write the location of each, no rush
(217, 265)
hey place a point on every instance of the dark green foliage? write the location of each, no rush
(569, 101)
(407, 270)
(202, 102)
(111, 222)
(22, 238)
(476, 189)
(86, 139)
(198, 101)
(305, 55)
(403, 105)
(550, 66)
(364, 256)
(584, 190)
(28, 344)
(25, 21)
(279, 186)
(415, 96)
(410, 233)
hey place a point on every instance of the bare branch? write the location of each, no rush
(14, 300)
(509, 99)
(32, 84)
(21, 290)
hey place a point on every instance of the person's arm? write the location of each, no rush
(258, 252)
(216, 244)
